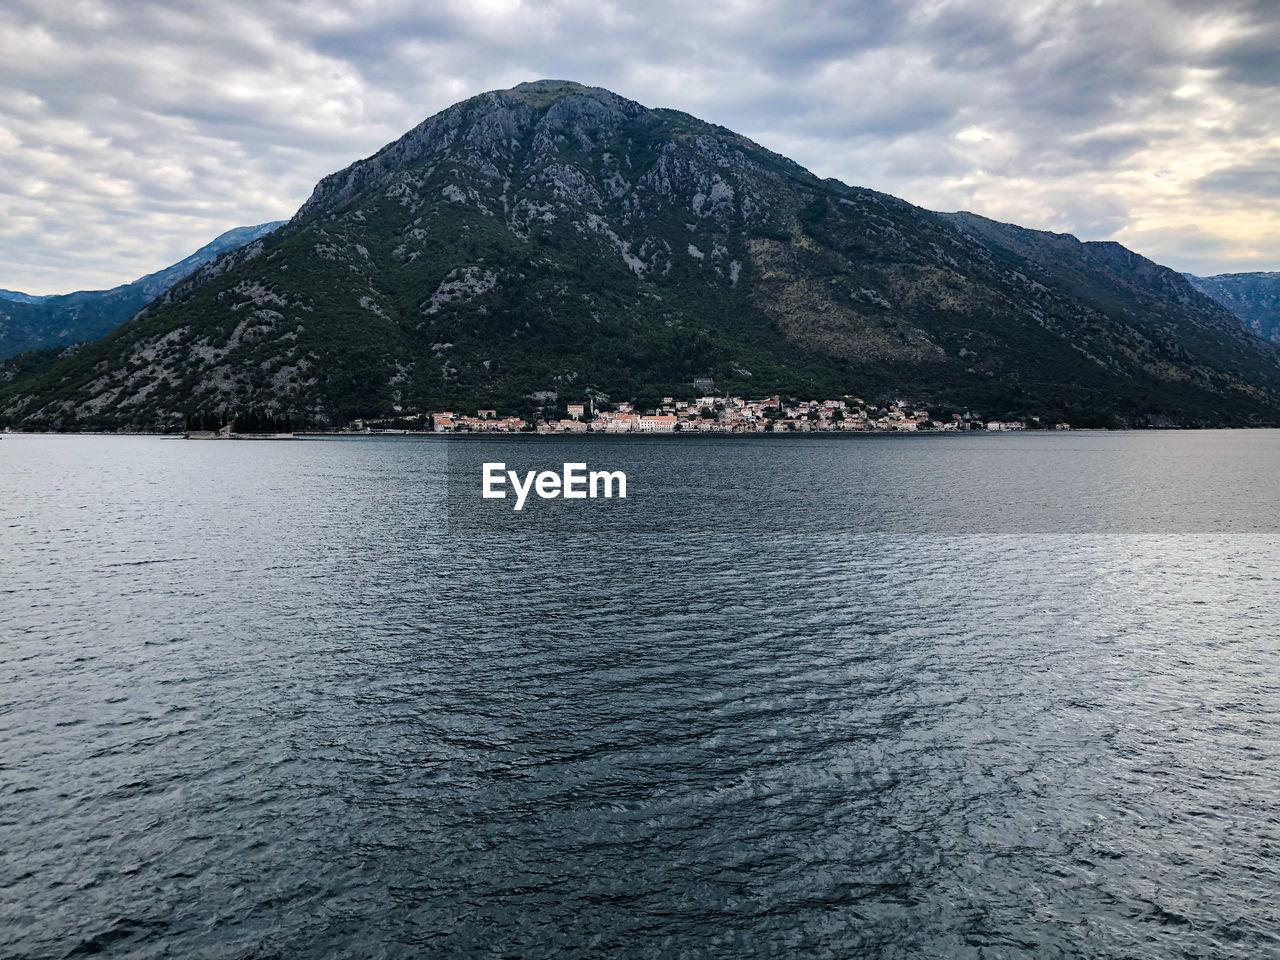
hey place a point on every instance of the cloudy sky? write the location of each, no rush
(133, 132)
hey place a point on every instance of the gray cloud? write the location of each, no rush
(1245, 180)
(131, 131)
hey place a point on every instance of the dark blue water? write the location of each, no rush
(264, 700)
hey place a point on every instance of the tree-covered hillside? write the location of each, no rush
(559, 238)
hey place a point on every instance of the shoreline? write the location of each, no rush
(682, 435)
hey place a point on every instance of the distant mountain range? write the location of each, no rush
(556, 240)
(30, 322)
(1253, 297)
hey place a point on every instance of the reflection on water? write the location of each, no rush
(260, 700)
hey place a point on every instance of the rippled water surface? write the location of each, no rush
(262, 700)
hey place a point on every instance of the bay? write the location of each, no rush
(284, 699)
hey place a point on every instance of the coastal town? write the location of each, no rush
(704, 415)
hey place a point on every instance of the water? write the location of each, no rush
(265, 700)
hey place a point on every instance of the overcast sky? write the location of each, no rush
(132, 132)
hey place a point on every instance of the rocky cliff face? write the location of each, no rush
(559, 238)
(32, 323)
(1252, 297)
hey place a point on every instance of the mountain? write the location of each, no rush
(560, 239)
(1253, 297)
(31, 322)
(18, 297)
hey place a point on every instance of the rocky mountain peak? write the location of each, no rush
(535, 117)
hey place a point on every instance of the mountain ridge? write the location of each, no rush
(60, 319)
(1253, 297)
(560, 239)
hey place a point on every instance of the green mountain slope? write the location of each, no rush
(1253, 297)
(559, 238)
(31, 322)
